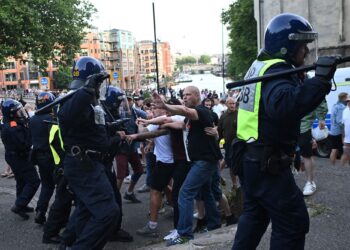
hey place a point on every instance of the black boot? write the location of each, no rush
(201, 226)
(121, 236)
(28, 209)
(40, 217)
(230, 220)
(52, 240)
(20, 211)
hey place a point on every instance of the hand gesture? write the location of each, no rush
(140, 121)
(121, 134)
(130, 138)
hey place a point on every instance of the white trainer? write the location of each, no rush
(172, 235)
(127, 179)
(309, 188)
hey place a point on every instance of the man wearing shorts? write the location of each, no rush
(335, 135)
(305, 144)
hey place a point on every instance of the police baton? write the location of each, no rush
(100, 77)
(280, 74)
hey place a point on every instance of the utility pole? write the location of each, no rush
(155, 46)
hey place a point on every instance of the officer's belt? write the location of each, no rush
(92, 153)
(255, 151)
(18, 153)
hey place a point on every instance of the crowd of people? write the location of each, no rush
(84, 148)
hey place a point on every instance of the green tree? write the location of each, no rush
(63, 77)
(185, 60)
(242, 29)
(204, 59)
(45, 29)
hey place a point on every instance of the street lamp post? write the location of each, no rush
(155, 46)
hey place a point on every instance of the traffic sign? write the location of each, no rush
(115, 75)
(44, 81)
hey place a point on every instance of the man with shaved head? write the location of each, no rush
(204, 153)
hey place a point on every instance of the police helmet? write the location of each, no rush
(10, 109)
(114, 97)
(82, 69)
(284, 35)
(43, 99)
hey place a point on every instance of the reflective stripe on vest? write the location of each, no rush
(249, 102)
(55, 129)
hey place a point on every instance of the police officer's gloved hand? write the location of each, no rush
(94, 81)
(326, 67)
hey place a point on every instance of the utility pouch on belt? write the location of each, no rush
(82, 158)
(236, 154)
(274, 161)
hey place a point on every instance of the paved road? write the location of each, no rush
(329, 209)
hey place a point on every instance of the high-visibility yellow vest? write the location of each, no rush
(55, 129)
(249, 102)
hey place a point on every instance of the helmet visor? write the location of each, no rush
(311, 39)
(22, 113)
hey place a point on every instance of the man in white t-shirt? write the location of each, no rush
(162, 172)
(345, 158)
(218, 108)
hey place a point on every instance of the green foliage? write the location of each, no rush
(63, 77)
(242, 29)
(185, 60)
(45, 29)
(204, 59)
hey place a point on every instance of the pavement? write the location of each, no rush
(329, 210)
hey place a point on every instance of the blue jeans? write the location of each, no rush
(198, 180)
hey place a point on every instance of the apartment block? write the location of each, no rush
(148, 59)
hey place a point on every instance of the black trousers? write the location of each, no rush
(60, 209)
(274, 198)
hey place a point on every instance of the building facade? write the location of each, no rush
(328, 18)
(147, 56)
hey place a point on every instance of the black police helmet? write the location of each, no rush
(84, 67)
(43, 99)
(284, 35)
(9, 109)
(114, 97)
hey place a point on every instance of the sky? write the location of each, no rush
(190, 26)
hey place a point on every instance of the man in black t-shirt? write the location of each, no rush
(204, 153)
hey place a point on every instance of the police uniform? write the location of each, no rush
(61, 207)
(42, 157)
(84, 134)
(269, 121)
(16, 138)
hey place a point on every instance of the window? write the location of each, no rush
(11, 77)
(33, 75)
(22, 75)
(10, 65)
(84, 53)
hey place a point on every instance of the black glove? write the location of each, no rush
(325, 67)
(94, 81)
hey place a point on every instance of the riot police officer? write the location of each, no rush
(114, 98)
(268, 124)
(39, 126)
(17, 141)
(82, 125)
